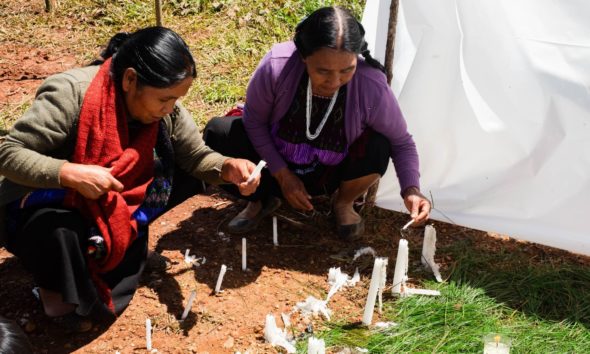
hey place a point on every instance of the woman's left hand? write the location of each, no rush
(417, 204)
(237, 172)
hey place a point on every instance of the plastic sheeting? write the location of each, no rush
(496, 94)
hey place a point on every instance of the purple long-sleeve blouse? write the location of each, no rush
(369, 103)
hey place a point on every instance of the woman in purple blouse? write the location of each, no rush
(326, 122)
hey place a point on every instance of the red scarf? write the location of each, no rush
(104, 140)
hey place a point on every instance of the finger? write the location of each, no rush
(424, 211)
(415, 208)
(304, 200)
(247, 188)
(254, 182)
(244, 189)
(295, 201)
(116, 185)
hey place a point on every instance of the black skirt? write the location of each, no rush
(52, 242)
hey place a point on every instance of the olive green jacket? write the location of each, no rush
(43, 139)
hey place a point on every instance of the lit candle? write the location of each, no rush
(189, 305)
(496, 344)
(428, 250)
(380, 263)
(220, 278)
(244, 265)
(275, 234)
(408, 224)
(256, 171)
(148, 334)
(316, 346)
(401, 267)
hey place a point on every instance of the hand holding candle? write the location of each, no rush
(256, 171)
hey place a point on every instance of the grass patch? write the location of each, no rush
(228, 38)
(543, 307)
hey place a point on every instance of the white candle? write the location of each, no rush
(496, 344)
(380, 263)
(256, 171)
(496, 348)
(189, 305)
(382, 282)
(401, 267)
(414, 291)
(220, 278)
(428, 251)
(316, 346)
(148, 334)
(408, 224)
(244, 265)
(275, 234)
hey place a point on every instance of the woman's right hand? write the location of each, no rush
(91, 181)
(293, 189)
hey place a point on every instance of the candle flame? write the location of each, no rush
(497, 340)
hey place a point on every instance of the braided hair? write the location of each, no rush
(333, 27)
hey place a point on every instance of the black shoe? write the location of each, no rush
(351, 232)
(73, 323)
(240, 225)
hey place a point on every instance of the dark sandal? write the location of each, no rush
(240, 225)
(73, 323)
(351, 232)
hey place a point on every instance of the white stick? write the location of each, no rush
(256, 171)
(220, 278)
(244, 265)
(275, 233)
(413, 291)
(380, 263)
(401, 267)
(148, 334)
(189, 305)
(408, 224)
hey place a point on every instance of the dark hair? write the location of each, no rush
(159, 56)
(321, 29)
(12, 338)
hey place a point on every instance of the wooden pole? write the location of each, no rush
(389, 48)
(158, 12)
(50, 5)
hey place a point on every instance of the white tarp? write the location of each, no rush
(496, 94)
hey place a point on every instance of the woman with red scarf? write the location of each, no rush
(101, 152)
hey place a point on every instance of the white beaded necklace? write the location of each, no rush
(309, 135)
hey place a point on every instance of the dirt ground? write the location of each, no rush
(277, 277)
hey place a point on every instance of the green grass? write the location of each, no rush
(543, 308)
(227, 37)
